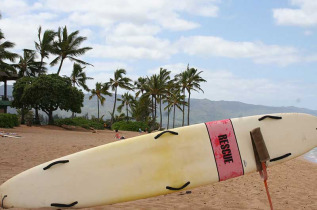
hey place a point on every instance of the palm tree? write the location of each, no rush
(174, 100)
(99, 91)
(27, 65)
(127, 101)
(119, 81)
(67, 46)
(182, 79)
(164, 77)
(78, 76)
(6, 55)
(194, 80)
(171, 86)
(153, 89)
(140, 85)
(45, 44)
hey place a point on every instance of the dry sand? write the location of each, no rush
(293, 185)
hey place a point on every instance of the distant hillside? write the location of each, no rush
(202, 110)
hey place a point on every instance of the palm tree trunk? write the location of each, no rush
(168, 118)
(174, 118)
(114, 104)
(155, 108)
(98, 106)
(188, 107)
(152, 107)
(73, 114)
(183, 111)
(161, 112)
(60, 66)
(127, 112)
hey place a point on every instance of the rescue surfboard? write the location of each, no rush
(159, 163)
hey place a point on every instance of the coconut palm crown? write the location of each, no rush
(67, 46)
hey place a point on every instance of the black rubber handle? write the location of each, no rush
(179, 188)
(270, 116)
(280, 157)
(61, 205)
(160, 134)
(2, 206)
(54, 163)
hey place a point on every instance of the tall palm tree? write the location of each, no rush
(27, 65)
(194, 80)
(182, 79)
(127, 101)
(79, 77)
(99, 91)
(152, 90)
(164, 77)
(170, 88)
(119, 81)
(174, 100)
(5, 54)
(67, 46)
(44, 46)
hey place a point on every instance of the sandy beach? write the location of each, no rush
(293, 185)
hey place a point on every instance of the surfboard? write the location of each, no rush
(159, 163)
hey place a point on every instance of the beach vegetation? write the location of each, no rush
(49, 93)
(8, 120)
(81, 122)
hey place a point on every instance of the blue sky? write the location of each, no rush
(258, 52)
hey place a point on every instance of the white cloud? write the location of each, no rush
(130, 29)
(257, 51)
(162, 12)
(174, 68)
(305, 15)
(224, 85)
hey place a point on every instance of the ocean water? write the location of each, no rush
(311, 155)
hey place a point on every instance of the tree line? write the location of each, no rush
(47, 92)
(152, 95)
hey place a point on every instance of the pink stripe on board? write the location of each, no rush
(225, 148)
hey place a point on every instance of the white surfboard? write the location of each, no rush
(146, 166)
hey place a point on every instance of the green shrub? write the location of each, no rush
(8, 120)
(81, 122)
(129, 126)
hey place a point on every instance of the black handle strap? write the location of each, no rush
(160, 134)
(179, 188)
(2, 206)
(54, 163)
(270, 116)
(61, 205)
(280, 157)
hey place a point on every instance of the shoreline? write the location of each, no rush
(292, 184)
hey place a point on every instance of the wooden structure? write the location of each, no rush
(5, 101)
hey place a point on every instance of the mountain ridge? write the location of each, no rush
(201, 110)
